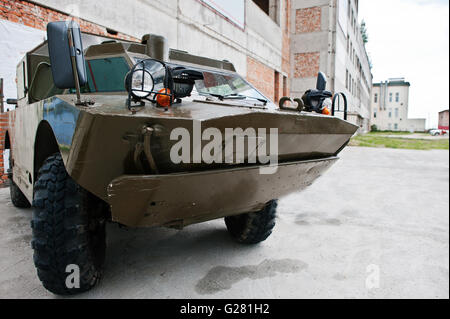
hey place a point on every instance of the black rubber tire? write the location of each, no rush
(17, 197)
(253, 228)
(68, 229)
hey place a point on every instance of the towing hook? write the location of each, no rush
(147, 131)
(286, 101)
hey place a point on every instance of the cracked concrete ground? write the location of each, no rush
(377, 211)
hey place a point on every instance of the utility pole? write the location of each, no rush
(1, 96)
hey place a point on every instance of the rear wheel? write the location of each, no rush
(17, 197)
(68, 231)
(253, 228)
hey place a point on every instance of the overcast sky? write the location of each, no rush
(409, 38)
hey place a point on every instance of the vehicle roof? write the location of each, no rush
(98, 45)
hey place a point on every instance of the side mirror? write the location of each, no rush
(66, 54)
(321, 82)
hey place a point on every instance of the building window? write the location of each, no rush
(350, 83)
(375, 100)
(277, 86)
(390, 126)
(390, 113)
(270, 8)
(375, 114)
(264, 5)
(396, 112)
(390, 97)
(396, 126)
(346, 79)
(285, 86)
(397, 97)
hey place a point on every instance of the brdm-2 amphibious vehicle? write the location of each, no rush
(144, 136)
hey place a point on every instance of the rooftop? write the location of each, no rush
(394, 82)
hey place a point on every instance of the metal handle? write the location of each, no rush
(333, 107)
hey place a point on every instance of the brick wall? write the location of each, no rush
(36, 16)
(308, 20)
(270, 82)
(261, 76)
(286, 50)
(306, 64)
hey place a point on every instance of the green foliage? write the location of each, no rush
(374, 128)
(380, 141)
(364, 34)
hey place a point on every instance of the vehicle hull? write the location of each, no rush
(99, 143)
(177, 200)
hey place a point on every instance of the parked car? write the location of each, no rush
(438, 132)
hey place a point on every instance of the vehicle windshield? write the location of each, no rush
(108, 74)
(226, 85)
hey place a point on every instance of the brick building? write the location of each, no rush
(279, 45)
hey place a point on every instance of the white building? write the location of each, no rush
(390, 101)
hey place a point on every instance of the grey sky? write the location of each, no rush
(410, 38)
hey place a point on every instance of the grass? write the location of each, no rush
(375, 140)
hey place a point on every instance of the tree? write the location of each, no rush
(364, 33)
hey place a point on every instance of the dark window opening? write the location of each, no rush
(111, 31)
(264, 5)
(277, 87)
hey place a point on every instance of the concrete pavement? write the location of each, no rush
(375, 226)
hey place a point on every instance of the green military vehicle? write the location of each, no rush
(144, 136)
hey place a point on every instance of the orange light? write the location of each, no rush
(164, 100)
(326, 111)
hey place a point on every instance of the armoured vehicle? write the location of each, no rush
(144, 136)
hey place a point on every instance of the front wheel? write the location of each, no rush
(68, 231)
(253, 228)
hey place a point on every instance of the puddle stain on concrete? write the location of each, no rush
(223, 278)
(316, 221)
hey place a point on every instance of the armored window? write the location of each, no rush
(107, 74)
(42, 85)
